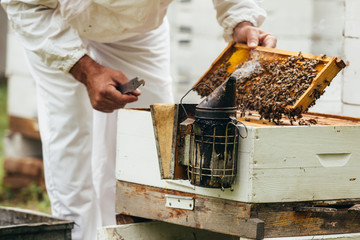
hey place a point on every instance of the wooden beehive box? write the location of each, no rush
(277, 163)
(301, 163)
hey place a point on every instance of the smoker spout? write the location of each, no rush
(220, 104)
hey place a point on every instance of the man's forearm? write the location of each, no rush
(83, 68)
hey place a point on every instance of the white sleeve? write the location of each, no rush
(232, 12)
(41, 29)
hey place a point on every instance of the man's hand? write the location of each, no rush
(245, 32)
(101, 85)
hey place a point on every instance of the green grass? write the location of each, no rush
(32, 197)
(3, 124)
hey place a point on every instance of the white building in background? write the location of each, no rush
(351, 49)
(21, 85)
(3, 30)
(311, 26)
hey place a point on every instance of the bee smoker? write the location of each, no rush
(214, 139)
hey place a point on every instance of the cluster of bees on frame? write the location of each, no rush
(269, 87)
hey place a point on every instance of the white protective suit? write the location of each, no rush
(78, 142)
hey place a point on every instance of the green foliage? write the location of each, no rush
(3, 126)
(32, 197)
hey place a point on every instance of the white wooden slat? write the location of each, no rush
(165, 231)
(288, 147)
(157, 231)
(136, 159)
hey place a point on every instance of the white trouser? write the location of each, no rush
(79, 143)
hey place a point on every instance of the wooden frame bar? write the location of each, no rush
(250, 220)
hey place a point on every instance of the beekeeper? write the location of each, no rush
(82, 49)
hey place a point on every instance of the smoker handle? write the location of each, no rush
(237, 123)
(188, 93)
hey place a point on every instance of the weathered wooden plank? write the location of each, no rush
(310, 118)
(241, 219)
(214, 214)
(302, 206)
(28, 166)
(23, 171)
(126, 219)
(355, 208)
(292, 223)
(164, 118)
(317, 209)
(18, 181)
(308, 218)
(332, 119)
(25, 126)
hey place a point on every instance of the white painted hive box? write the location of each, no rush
(276, 163)
(282, 164)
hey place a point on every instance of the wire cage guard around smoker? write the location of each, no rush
(214, 138)
(213, 163)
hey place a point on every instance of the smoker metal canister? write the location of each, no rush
(215, 139)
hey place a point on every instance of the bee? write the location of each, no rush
(312, 121)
